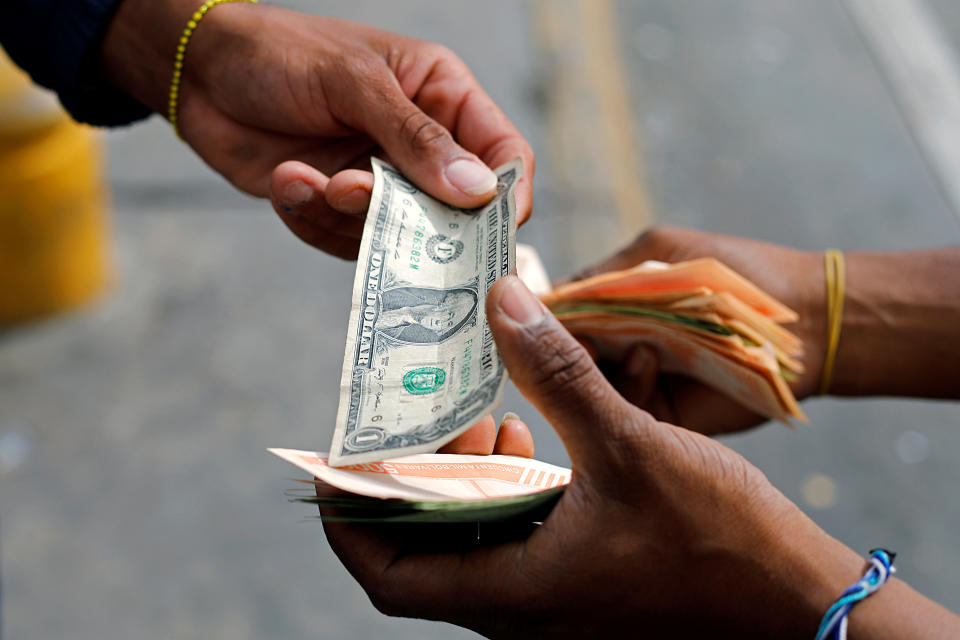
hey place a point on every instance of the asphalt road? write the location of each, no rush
(136, 496)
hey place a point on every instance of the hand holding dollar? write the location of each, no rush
(293, 106)
(420, 365)
(421, 369)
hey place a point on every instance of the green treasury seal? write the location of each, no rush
(424, 380)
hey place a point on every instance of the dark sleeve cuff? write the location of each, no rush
(57, 43)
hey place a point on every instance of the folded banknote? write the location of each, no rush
(703, 319)
(430, 487)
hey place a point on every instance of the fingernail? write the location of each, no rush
(298, 192)
(518, 303)
(471, 176)
(509, 415)
(638, 362)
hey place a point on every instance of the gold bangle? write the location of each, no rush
(173, 101)
(835, 275)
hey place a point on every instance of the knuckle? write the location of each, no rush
(440, 52)
(383, 606)
(630, 439)
(424, 134)
(359, 75)
(727, 468)
(658, 243)
(748, 478)
(653, 236)
(565, 363)
(668, 240)
(384, 602)
(359, 63)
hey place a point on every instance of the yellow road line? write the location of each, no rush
(590, 122)
(606, 72)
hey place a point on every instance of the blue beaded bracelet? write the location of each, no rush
(834, 623)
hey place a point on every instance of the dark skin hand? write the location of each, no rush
(292, 107)
(900, 331)
(661, 533)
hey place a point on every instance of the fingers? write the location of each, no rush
(624, 259)
(514, 438)
(403, 573)
(638, 379)
(700, 408)
(658, 243)
(412, 571)
(349, 191)
(478, 440)
(300, 195)
(679, 399)
(556, 374)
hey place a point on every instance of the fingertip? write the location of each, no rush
(295, 183)
(509, 297)
(349, 191)
(471, 178)
(524, 196)
(478, 440)
(514, 438)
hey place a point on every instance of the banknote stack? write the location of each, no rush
(703, 319)
(430, 488)
(420, 367)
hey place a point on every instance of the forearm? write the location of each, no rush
(901, 325)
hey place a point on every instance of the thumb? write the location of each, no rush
(424, 150)
(557, 375)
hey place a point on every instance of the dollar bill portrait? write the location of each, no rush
(419, 315)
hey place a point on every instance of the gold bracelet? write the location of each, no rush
(174, 97)
(835, 274)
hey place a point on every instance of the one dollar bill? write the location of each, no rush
(420, 365)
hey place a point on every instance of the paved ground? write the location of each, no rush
(136, 499)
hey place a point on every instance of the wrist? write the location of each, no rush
(809, 570)
(811, 291)
(774, 573)
(901, 320)
(139, 46)
(799, 571)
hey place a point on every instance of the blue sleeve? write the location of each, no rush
(57, 42)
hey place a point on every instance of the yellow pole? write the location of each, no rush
(53, 220)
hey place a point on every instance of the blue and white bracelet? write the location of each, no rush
(834, 623)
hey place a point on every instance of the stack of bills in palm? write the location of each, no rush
(703, 319)
(431, 488)
(421, 367)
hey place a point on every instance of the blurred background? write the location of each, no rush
(136, 495)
